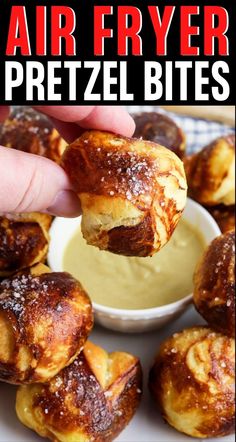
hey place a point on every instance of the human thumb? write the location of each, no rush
(32, 183)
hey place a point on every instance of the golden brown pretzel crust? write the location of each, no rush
(23, 241)
(160, 129)
(30, 131)
(91, 400)
(211, 173)
(132, 191)
(45, 318)
(192, 381)
(224, 216)
(214, 284)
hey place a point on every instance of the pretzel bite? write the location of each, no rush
(23, 241)
(224, 216)
(132, 191)
(91, 400)
(214, 284)
(192, 381)
(211, 173)
(45, 318)
(30, 131)
(160, 129)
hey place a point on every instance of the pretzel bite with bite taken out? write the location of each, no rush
(132, 192)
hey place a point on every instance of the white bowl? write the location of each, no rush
(131, 320)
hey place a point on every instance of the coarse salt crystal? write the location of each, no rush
(128, 195)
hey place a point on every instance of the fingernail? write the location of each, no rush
(66, 204)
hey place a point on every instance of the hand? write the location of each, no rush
(32, 183)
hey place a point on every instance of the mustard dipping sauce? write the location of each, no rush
(136, 283)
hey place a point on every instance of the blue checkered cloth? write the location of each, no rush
(198, 132)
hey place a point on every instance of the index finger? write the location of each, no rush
(109, 118)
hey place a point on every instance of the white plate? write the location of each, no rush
(147, 425)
